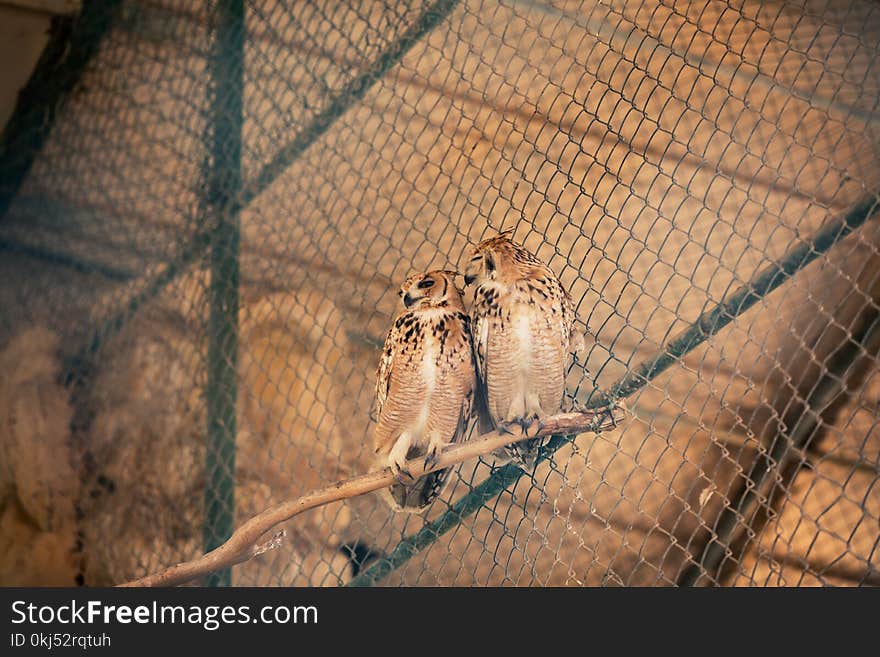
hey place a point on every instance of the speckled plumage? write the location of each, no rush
(425, 384)
(523, 323)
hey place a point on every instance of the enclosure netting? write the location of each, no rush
(208, 209)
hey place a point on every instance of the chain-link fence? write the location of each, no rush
(208, 207)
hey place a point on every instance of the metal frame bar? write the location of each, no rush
(50, 7)
(73, 42)
(223, 204)
(76, 263)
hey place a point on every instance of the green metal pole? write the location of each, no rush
(224, 201)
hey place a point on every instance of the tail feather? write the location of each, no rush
(416, 496)
(523, 454)
(485, 424)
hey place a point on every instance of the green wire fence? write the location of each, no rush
(206, 209)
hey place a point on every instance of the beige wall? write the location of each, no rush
(23, 35)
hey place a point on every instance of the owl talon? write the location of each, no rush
(533, 428)
(401, 474)
(514, 428)
(404, 477)
(435, 449)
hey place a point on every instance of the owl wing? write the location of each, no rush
(383, 374)
(572, 339)
(400, 385)
(568, 317)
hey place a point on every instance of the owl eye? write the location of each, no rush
(425, 284)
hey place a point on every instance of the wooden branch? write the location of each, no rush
(244, 544)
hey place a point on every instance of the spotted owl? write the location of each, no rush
(425, 385)
(523, 324)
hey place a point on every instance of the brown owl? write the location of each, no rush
(523, 321)
(425, 385)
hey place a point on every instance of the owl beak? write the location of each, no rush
(409, 300)
(469, 278)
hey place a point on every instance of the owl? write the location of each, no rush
(425, 385)
(523, 324)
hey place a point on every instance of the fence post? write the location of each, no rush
(224, 203)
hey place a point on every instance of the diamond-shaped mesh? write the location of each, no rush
(208, 208)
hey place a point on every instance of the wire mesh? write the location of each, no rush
(209, 207)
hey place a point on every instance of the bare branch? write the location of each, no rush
(271, 544)
(244, 544)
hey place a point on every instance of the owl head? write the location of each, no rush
(498, 259)
(431, 289)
